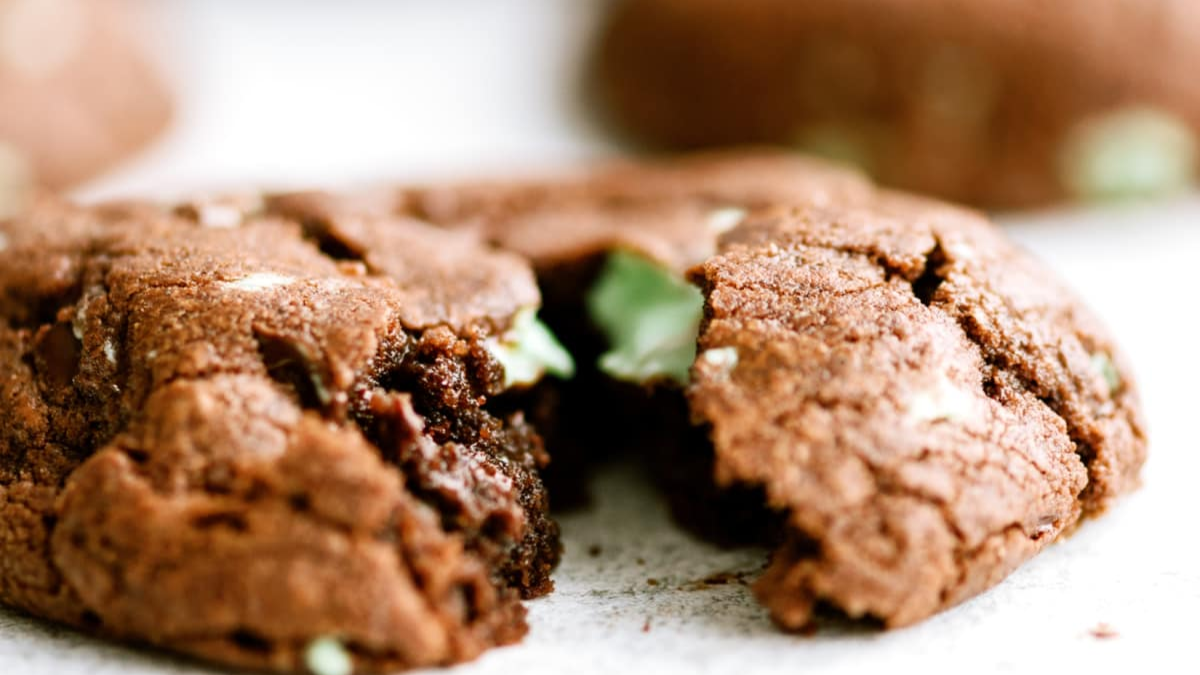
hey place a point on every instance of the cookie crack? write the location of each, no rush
(926, 285)
(319, 232)
(926, 288)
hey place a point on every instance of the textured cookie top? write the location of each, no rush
(671, 210)
(219, 396)
(924, 400)
(136, 279)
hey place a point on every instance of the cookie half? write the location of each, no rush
(263, 442)
(925, 405)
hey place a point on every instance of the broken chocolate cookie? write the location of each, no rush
(886, 389)
(666, 214)
(298, 432)
(264, 442)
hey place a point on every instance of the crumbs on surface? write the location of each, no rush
(1103, 631)
(718, 579)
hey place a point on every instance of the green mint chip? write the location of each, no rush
(528, 350)
(1132, 153)
(650, 316)
(1102, 363)
(327, 656)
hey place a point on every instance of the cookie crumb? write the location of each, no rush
(722, 578)
(641, 561)
(327, 656)
(594, 550)
(646, 626)
(1103, 631)
(652, 581)
(717, 579)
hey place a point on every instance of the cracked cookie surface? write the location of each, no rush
(886, 389)
(918, 396)
(232, 436)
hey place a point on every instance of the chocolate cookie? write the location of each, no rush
(76, 94)
(292, 432)
(886, 389)
(269, 444)
(924, 402)
(997, 104)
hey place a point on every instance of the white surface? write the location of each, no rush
(293, 93)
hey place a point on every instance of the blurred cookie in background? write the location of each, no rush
(1006, 104)
(77, 93)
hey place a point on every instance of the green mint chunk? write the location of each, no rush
(650, 316)
(1102, 363)
(1132, 153)
(528, 350)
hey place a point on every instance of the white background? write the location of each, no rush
(289, 94)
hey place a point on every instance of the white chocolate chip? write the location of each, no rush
(327, 656)
(723, 220)
(110, 352)
(221, 216)
(37, 37)
(1103, 365)
(723, 358)
(80, 320)
(259, 281)
(944, 402)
